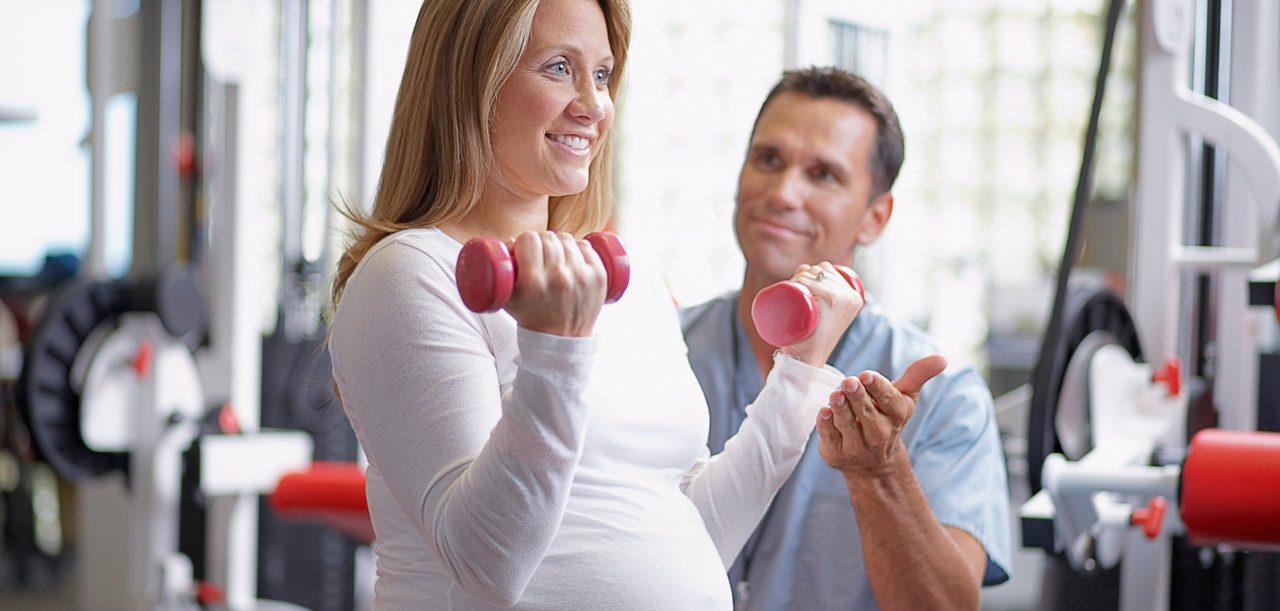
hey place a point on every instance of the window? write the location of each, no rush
(859, 49)
(44, 167)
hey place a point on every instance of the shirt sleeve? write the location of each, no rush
(733, 489)
(484, 477)
(959, 463)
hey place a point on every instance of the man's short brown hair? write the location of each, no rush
(837, 84)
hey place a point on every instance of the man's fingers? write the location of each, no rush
(918, 373)
(888, 401)
(881, 391)
(835, 398)
(842, 406)
(828, 434)
(875, 426)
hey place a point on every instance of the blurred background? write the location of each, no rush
(127, 127)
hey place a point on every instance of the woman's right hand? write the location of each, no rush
(560, 284)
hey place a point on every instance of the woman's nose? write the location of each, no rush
(591, 104)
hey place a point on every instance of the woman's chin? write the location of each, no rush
(569, 186)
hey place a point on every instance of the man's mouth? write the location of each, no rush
(776, 226)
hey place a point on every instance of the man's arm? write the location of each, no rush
(913, 561)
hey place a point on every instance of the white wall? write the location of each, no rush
(390, 27)
(696, 76)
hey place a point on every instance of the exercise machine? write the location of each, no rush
(172, 432)
(1146, 469)
(109, 385)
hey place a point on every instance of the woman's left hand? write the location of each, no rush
(837, 302)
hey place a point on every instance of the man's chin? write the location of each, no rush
(770, 270)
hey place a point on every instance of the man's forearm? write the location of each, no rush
(912, 560)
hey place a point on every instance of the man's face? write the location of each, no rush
(803, 194)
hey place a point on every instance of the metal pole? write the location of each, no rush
(100, 61)
(293, 82)
(157, 222)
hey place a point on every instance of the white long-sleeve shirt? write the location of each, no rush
(513, 468)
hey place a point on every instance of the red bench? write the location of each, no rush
(332, 493)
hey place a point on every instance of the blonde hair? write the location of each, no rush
(438, 151)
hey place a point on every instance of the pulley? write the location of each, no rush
(75, 317)
(1093, 316)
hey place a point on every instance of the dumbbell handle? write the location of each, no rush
(785, 312)
(486, 270)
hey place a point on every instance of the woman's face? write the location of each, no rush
(553, 113)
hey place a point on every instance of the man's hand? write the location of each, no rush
(860, 433)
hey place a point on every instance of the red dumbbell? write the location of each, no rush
(487, 271)
(785, 313)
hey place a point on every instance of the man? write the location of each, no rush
(916, 518)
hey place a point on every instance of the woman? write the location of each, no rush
(550, 456)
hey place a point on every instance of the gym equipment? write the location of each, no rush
(1059, 416)
(15, 114)
(486, 270)
(332, 493)
(1108, 433)
(785, 313)
(109, 383)
(119, 397)
(303, 562)
(31, 534)
(1221, 480)
(1213, 497)
(51, 387)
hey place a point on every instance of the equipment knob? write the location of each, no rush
(1171, 375)
(1151, 517)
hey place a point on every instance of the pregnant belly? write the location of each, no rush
(611, 557)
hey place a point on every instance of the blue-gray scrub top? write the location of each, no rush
(807, 553)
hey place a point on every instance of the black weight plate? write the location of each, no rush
(1086, 309)
(46, 398)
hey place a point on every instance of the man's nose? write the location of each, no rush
(786, 190)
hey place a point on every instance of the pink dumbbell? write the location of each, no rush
(785, 313)
(487, 271)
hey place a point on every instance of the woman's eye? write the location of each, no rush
(603, 75)
(559, 68)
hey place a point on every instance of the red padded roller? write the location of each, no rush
(1231, 488)
(329, 492)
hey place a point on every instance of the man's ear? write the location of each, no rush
(875, 218)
